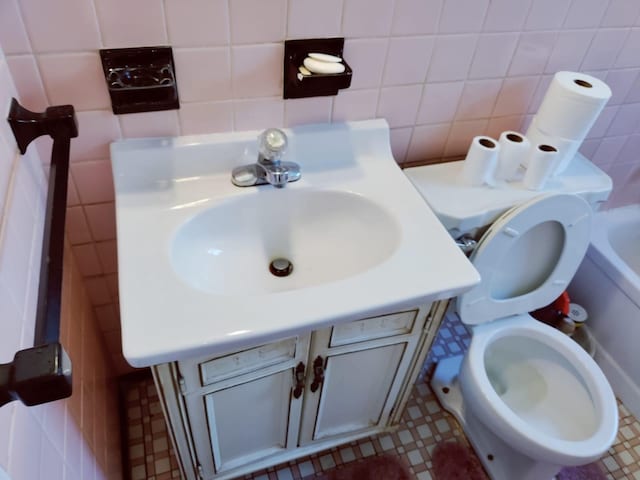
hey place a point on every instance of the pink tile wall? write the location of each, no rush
(68, 439)
(440, 71)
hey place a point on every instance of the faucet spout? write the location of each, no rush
(278, 176)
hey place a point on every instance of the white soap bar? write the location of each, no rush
(325, 57)
(317, 66)
(304, 71)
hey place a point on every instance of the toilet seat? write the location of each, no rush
(512, 425)
(558, 225)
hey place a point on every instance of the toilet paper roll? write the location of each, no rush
(567, 148)
(480, 162)
(514, 148)
(572, 104)
(542, 160)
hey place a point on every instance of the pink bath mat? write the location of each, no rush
(585, 472)
(453, 461)
(384, 467)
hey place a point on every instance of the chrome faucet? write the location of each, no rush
(272, 144)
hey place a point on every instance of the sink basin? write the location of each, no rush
(327, 235)
(194, 250)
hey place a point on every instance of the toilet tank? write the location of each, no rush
(464, 209)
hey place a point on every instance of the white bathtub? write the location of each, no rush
(608, 286)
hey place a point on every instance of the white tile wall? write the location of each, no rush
(302, 111)
(452, 58)
(440, 71)
(399, 105)
(130, 24)
(13, 35)
(463, 16)
(398, 71)
(478, 99)
(206, 117)
(366, 18)
(196, 23)
(310, 18)
(256, 70)
(203, 74)
(258, 21)
(94, 181)
(355, 105)
(493, 55)
(48, 23)
(26, 77)
(146, 124)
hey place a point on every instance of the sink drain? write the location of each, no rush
(281, 267)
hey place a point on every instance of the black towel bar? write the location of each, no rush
(43, 373)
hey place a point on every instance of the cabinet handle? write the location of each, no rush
(299, 375)
(318, 373)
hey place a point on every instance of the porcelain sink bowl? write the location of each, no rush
(327, 235)
(194, 250)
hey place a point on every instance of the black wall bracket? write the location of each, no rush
(43, 373)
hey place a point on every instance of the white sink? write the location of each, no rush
(327, 235)
(194, 250)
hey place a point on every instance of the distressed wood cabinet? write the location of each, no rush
(233, 414)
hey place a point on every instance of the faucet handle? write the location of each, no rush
(272, 143)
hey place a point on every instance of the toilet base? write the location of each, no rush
(499, 460)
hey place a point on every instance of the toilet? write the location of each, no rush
(529, 398)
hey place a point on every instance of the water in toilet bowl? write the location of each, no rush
(541, 388)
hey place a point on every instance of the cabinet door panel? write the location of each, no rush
(355, 389)
(249, 421)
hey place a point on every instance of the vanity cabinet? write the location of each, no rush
(236, 413)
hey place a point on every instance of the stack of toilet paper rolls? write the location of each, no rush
(568, 111)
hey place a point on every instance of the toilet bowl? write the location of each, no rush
(539, 391)
(530, 400)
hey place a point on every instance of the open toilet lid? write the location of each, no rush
(527, 258)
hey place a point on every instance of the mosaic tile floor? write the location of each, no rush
(423, 425)
(151, 455)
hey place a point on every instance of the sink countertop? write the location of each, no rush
(163, 183)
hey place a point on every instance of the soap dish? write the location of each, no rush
(140, 79)
(297, 85)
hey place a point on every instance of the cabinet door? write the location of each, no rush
(359, 388)
(247, 417)
(251, 420)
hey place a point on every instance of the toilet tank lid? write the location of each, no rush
(462, 208)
